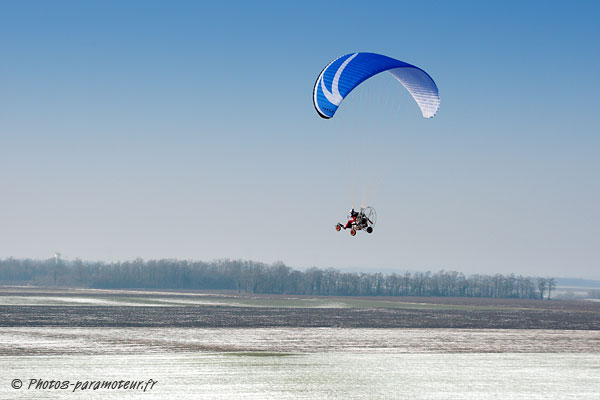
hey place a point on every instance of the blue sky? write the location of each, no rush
(185, 130)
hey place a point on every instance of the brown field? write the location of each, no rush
(39, 307)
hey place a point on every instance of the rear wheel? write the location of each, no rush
(352, 232)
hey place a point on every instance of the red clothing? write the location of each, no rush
(350, 222)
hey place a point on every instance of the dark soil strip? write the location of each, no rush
(248, 317)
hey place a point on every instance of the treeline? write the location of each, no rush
(255, 277)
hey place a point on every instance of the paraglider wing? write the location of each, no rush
(345, 73)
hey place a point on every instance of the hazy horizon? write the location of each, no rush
(351, 269)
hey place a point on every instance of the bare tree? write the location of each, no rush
(541, 284)
(550, 285)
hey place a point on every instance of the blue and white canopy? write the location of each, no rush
(345, 73)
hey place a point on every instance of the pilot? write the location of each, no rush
(353, 215)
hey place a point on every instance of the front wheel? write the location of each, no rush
(352, 232)
(369, 230)
(338, 227)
